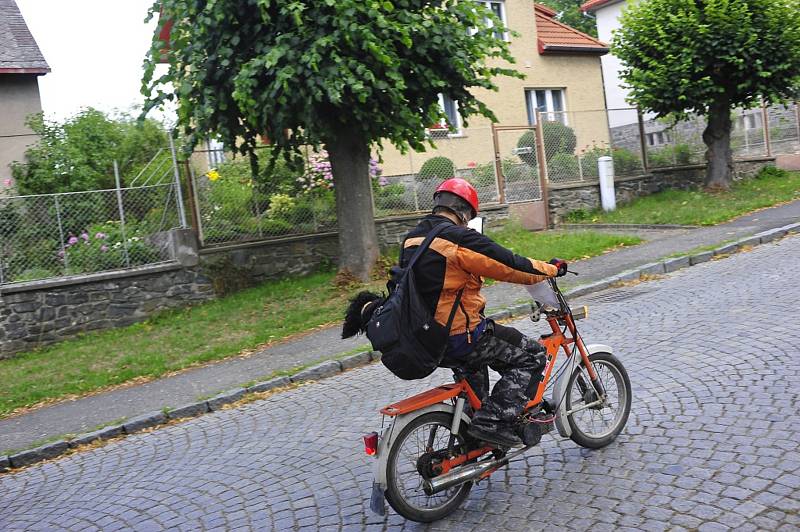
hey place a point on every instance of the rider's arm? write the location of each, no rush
(481, 255)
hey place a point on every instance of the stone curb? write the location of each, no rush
(626, 226)
(333, 367)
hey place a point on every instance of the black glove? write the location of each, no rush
(561, 264)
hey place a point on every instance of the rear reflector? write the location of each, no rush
(371, 443)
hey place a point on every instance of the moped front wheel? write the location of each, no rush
(412, 460)
(596, 421)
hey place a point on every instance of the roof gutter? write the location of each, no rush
(567, 49)
(39, 70)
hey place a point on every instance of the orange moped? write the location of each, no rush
(426, 463)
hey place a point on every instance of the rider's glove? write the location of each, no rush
(561, 264)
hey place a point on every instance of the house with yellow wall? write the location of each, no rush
(563, 81)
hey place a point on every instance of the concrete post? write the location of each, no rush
(605, 167)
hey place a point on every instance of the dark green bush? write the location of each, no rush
(562, 165)
(558, 138)
(528, 140)
(437, 168)
(626, 162)
(675, 155)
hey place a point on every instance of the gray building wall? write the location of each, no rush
(19, 98)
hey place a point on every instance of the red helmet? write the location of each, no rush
(461, 188)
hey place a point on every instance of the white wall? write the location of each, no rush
(607, 22)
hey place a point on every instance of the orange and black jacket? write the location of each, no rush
(460, 258)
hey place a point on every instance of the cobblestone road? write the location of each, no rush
(712, 441)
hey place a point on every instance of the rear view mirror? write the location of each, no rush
(476, 224)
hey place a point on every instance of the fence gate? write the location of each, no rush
(520, 177)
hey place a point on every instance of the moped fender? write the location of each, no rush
(560, 391)
(393, 430)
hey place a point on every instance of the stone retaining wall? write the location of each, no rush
(564, 199)
(39, 313)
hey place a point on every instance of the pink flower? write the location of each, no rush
(72, 240)
(103, 248)
(100, 235)
(472, 164)
(85, 236)
(8, 182)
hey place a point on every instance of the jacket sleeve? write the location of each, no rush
(481, 255)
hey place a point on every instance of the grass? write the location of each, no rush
(237, 324)
(698, 207)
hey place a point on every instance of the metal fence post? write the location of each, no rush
(642, 143)
(541, 157)
(499, 179)
(61, 233)
(121, 216)
(178, 191)
(765, 120)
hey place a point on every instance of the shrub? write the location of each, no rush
(391, 197)
(675, 155)
(528, 140)
(589, 161)
(280, 205)
(563, 165)
(437, 168)
(103, 247)
(626, 162)
(558, 138)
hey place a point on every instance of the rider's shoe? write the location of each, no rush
(501, 435)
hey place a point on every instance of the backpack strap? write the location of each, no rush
(426, 243)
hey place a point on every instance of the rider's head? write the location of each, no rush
(458, 197)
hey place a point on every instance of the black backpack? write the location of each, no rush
(411, 343)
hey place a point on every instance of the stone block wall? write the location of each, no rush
(40, 313)
(564, 199)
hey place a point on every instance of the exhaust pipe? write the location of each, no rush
(460, 475)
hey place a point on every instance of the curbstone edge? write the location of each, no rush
(105, 433)
(144, 422)
(700, 258)
(501, 315)
(653, 268)
(748, 242)
(672, 265)
(31, 456)
(5, 465)
(354, 361)
(217, 402)
(271, 384)
(726, 249)
(320, 371)
(190, 410)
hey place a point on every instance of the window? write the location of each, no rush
(549, 102)
(499, 10)
(450, 108)
(658, 138)
(216, 152)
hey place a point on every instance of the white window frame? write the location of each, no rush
(216, 152)
(551, 113)
(458, 132)
(503, 18)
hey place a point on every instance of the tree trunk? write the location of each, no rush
(358, 242)
(717, 137)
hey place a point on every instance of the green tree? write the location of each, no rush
(569, 13)
(342, 74)
(79, 153)
(707, 57)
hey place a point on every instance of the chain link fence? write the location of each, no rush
(55, 235)
(297, 197)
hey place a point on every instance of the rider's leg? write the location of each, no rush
(520, 361)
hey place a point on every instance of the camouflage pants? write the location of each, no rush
(518, 359)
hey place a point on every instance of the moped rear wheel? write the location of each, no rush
(598, 425)
(410, 461)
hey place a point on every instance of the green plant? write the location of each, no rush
(673, 155)
(436, 168)
(391, 197)
(107, 246)
(342, 75)
(563, 166)
(79, 153)
(707, 58)
(557, 138)
(626, 162)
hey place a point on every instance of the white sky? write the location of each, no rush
(95, 49)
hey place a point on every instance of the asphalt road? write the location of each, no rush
(712, 441)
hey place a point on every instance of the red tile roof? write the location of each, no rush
(19, 53)
(557, 38)
(591, 5)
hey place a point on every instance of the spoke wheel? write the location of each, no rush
(598, 425)
(409, 464)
